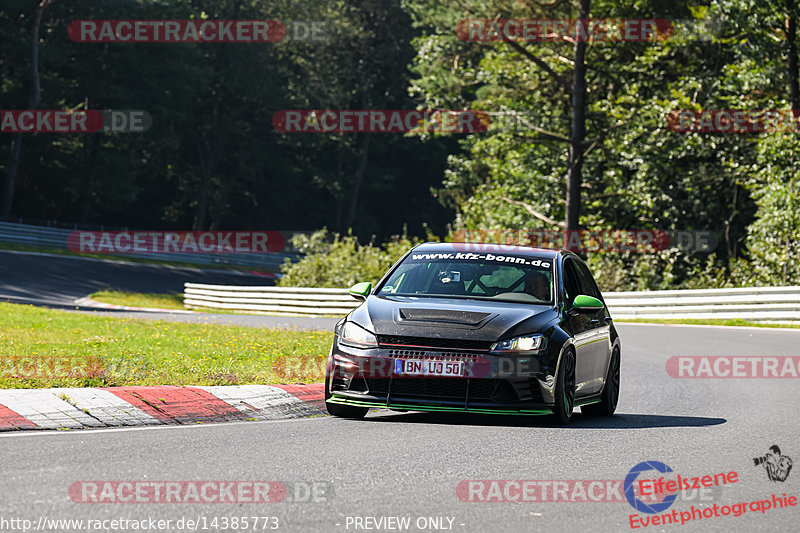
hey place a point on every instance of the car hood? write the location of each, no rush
(451, 318)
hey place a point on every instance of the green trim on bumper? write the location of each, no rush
(360, 403)
(578, 403)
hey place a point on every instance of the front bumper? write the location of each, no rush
(433, 406)
(491, 384)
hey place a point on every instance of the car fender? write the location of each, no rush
(559, 343)
(360, 315)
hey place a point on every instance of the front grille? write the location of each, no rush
(439, 388)
(483, 389)
(407, 353)
(378, 386)
(453, 389)
(438, 356)
(458, 344)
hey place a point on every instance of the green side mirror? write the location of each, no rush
(361, 290)
(583, 302)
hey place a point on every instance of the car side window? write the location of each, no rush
(571, 287)
(586, 281)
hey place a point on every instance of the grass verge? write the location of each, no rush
(169, 301)
(48, 348)
(735, 322)
(138, 299)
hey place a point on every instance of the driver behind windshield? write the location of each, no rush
(447, 282)
(537, 284)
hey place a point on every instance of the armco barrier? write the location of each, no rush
(271, 300)
(770, 304)
(774, 304)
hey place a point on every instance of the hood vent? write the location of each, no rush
(464, 318)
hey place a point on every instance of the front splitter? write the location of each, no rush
(416, 407)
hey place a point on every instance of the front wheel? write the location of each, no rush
(610, 395)
(565, 389)
(346, 411)
(342, 411)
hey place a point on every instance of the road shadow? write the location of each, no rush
(579, 421)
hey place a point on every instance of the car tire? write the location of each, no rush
(339, 410)
(346, 411)
(610, 395)
(565, 389)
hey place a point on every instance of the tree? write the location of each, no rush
(361, 65)
(212, 158)
(634, 172)
(577, 135)
(16, 144)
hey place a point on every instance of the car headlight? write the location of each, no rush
(526, 343)
(354, 335)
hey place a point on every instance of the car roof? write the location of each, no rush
(477, 247)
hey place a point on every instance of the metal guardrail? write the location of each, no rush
(773, 304)
(51, 237)
(272, 300)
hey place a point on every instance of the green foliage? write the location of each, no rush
(333, 260)
(773, 240)
(638, 174)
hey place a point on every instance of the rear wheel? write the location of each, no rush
(610, 395)
(342, 411)
(565, 389)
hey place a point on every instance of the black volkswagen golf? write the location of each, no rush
(480, 328)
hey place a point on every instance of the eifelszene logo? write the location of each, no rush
(629, 488)
(777, 466)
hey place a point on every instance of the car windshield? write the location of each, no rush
(513, 278)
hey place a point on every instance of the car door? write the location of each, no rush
(599, 328)
(577, 325)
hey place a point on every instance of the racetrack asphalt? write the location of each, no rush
(57, 280)
(409, 464)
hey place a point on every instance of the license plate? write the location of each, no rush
(427, 367)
